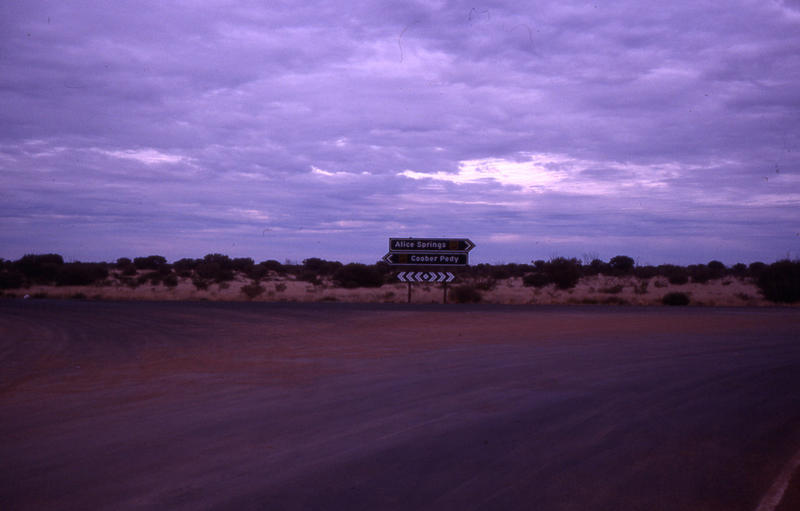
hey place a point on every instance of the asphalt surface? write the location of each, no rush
(331, 406)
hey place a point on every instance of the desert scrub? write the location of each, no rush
(280, 287)
(11, 280)
(355, 275)
(612, 290)
(80, 274)
(485, 284)
(465, 294)
(200, 284)
(675, 299)
(170, 280)
(253, 290)
(780, 281)
(537, 280)
(678, 278)
(565, 273)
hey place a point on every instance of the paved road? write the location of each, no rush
(330, 406)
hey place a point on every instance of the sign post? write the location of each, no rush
(429, 255)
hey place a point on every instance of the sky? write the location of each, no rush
(668, 132)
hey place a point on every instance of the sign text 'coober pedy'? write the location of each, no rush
(411, 258)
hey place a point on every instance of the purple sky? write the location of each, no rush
(669, 132)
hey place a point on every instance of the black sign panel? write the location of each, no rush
(427, 258)
(430, 245)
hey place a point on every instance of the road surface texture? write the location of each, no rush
(334, 406)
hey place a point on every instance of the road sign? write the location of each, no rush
(430, 245)
(427, 258)
(425, 276)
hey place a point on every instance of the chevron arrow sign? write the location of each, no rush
(425, 276)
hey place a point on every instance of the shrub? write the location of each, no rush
(215, 267)
(310, 276)
(242, 264)
(780, 281)
(756, 268)
(565, 273)
(700, 273)
(613, 289)
(320, 266)
(150, 262)
(645, 272)
(358, 275)
(675, 299)
(80, 274)
(273, 265)
(11, 279)
(717, 269)
(383, 268)
(739, 269)
(170, 280)
(129, 270)
(280, 287)
(213, 270)
(154, 277)
(500, 273)
(200, 283)
(678, 276)
(40, 268)
(130, 282)
(185, 266)
(123, 262)
(465, 294)
(596, 267)
(621, 264)
(252, 290)
(536, 280)
(485, 284)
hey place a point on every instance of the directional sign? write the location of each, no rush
(430, 245)
(427, 258)
(425, 276)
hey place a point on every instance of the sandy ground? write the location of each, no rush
(729, 292)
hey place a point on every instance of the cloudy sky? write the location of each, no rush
(669, 132)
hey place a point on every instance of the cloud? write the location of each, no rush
(603, 123)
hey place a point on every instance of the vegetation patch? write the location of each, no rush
(253, 290)
(780, 281)
(355, 275)
(465, 293)
(675, 299)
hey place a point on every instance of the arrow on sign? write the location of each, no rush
(425, 276)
